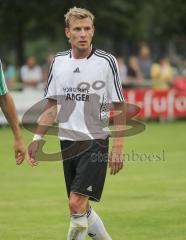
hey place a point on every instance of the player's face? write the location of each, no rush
(80, 33)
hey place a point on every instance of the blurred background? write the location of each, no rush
(37, 28)
(148, 38)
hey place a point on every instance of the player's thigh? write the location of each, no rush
(91, 171)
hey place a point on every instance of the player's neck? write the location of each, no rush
(79, 54)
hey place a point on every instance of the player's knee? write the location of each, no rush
(77, 204)
(73, 206)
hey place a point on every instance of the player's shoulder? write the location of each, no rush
(104, 55)
(60, 55)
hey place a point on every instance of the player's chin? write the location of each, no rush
(83, 47)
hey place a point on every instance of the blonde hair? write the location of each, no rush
(78, 13)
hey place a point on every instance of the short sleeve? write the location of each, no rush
(38, 74)
(23, 73)
(3, 87)
(50, 90)
(115, 87)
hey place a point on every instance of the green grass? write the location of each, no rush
(147, 200)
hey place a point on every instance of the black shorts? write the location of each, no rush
(85, 166)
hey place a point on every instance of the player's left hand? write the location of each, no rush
(116, 160)
(32, 153)
(20, 150)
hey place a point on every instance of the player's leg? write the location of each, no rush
(88, 181)
(96, 228)
(77, 204)
(78, 221)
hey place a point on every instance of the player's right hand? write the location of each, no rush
(116, 159)
(20, 150)
(32, 151)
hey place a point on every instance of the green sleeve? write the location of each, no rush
(3, 87)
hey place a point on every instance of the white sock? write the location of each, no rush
(96, 228)
(78, 227)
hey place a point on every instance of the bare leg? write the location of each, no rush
(79, 223)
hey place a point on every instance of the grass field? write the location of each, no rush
(146, 201)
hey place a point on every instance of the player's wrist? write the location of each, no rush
(118, 142)
(37, 137)
(17, 133)
(18, 138)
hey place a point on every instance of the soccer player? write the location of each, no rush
(9, 110)
(82, 84)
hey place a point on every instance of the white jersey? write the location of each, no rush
(34, 73)
(84, 90)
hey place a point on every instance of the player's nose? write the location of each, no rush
(83, 33)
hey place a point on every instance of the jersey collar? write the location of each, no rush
(91, 53)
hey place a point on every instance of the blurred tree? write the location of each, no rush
(20, 21)
(117, 21)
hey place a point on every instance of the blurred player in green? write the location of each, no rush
(9, 110)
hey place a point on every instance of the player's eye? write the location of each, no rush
(77, 29)
(87, 28)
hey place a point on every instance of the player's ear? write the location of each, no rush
(67, 32)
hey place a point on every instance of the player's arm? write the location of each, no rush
(116, 96)
(116, 156)
(47, 117)
(46, 120)
(9, 110)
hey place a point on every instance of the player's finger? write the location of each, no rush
(116, 166)
(116, 169)
(29, 157)
(30, 163)
(32, 156)
(113, 168)
(111, 164)
(19, 160)
(18, 156)
(120, 165)
(34, 162)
